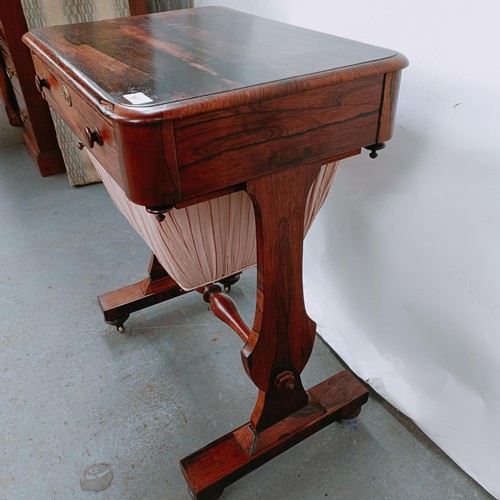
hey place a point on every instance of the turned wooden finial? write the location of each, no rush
(225, 309)
(375, 148)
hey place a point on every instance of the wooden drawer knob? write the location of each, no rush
(41, 83)
(92, 137)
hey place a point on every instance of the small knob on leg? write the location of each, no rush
(285, 381)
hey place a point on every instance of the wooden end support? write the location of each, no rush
(157, 287)
(277, 347)
(219, 464)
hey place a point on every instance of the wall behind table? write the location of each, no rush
(402, 266)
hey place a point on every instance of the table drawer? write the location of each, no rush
(85, 121)
(277, 133)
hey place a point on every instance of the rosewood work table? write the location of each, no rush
(183, 107)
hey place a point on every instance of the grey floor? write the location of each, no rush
(74, 392)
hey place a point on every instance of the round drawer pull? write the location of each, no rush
(11, 72)
(41, 83)
(92, 137)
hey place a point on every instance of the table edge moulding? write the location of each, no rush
(208, 102)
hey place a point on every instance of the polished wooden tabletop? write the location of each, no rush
(186, 54)
(184, 103)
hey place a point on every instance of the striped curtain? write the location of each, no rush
(55, 12)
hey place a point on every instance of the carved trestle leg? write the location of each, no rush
(277, 348)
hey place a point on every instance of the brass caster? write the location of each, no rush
(353, 414)
(209, 494)
(228, 282)
(118, 322)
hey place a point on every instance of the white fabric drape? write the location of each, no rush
(206, 242)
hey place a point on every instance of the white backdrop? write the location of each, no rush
(403, 263)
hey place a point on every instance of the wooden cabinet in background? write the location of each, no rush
(23, 103)
(138, 7)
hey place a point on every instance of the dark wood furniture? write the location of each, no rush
(232, 101)
(147, 6)
(22, 102)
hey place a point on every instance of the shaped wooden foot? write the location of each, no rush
(157, 287)
(221, 463)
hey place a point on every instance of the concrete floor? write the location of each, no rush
(74, 392)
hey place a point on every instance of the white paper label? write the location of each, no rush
(138, 98)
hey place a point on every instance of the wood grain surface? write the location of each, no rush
(191, 53)
(230, 97)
